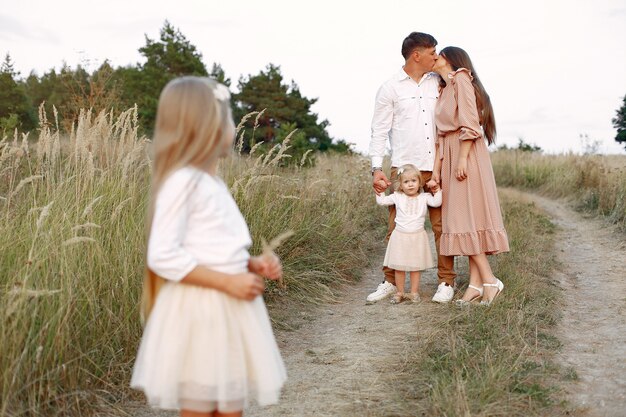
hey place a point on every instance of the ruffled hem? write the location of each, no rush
(490, 242)
(202, 399)
(409, 268)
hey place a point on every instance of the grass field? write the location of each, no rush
(72, 224)
(594, 183)
(495, 361)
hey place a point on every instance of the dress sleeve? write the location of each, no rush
(434, 200)
(167, 256)
(469, 121)
(386, 200)
(439, 143)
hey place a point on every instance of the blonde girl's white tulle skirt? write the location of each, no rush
(408, 251)
(204, 350)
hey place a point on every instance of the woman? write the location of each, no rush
(472, 222)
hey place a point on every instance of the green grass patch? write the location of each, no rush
(495, 361)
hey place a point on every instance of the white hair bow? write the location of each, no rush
(400, 171)
(221, 92)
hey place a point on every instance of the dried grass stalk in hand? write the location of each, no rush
(268, 249)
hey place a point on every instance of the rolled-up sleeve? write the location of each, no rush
(468, 112)
(381, 125)
(167, 256)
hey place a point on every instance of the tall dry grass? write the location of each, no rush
(72, 225)
(595, 183)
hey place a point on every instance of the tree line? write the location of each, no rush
(172, 55)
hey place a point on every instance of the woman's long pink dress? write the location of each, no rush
(472, 222)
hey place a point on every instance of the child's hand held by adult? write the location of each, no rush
(380, 182)
(433, 186)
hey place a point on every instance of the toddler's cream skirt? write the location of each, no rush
(204, 350)
(408, 251)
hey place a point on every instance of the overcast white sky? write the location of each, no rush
(555, 69)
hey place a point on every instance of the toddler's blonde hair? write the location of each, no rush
(404, 171)
(191, 126)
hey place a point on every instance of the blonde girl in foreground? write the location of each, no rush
(408, 248)
(207, 346)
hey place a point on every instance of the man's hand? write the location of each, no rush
(246, 286)
(380, 182)
(268, 266)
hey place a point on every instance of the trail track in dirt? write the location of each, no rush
(341, 357)
(593, 325)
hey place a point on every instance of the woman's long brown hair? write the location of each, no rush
(458, 58)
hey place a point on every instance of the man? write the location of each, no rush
(405, 115)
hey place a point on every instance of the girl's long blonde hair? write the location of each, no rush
(191, 124)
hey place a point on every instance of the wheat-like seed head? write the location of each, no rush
(78, 239)
(90, 206)
(118, 210)
(45, 212)
(269, 248)
(87, 225)
(24, 182)
(303, 160)
(254, 148)
(244, 119)
(258, 116)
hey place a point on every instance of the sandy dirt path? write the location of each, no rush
(341, 357)
(341, 363)
(593, 325)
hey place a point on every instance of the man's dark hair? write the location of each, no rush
(417, 40)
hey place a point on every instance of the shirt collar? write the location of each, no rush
(401, 76)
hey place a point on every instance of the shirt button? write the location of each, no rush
(426, 124)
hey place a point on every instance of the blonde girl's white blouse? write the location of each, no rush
(410, 211)
(196, 222)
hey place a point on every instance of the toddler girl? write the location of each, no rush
(207, 346)
(408, 248)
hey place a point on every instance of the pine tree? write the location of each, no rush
(169, 57)
(284, 104)
(619, 123)
(15, 109)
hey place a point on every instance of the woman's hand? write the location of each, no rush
(245, 286)
(432, 185)
(461, 169)
(267, 265)
(436, 175)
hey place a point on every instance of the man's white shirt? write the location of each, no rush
(404, 114)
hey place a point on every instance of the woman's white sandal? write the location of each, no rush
(463, 303)
(499, 285)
